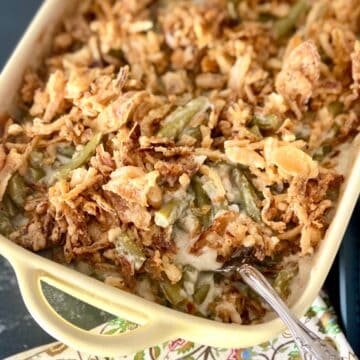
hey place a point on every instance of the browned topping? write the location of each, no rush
(162, 136)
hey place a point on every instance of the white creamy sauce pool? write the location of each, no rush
(143, 288)
(346, 157)
(206, 261)
(214, 291)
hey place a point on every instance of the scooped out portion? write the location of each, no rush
(159, 140)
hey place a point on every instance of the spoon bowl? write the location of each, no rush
(309, 344)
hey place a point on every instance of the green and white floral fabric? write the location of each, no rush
(320, 318)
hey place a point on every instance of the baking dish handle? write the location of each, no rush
(153, 330)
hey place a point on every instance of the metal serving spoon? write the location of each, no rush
(309, 344)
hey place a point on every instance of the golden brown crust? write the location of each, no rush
(273, 108)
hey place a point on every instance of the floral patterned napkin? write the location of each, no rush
(320, 318)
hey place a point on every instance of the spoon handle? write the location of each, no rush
(309, 344)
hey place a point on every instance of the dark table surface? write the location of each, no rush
(18, 331)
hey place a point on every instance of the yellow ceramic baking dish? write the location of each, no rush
(157, 323)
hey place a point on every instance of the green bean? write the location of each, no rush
(256, 131)
(204, 288)
(36, 159)
(201, 198)
(173, 292)
(265, 17)
(117, 54)
(333, 195)
(67, 150)
(266, 122)
(336, 108)
(170, 212)
(80, 159)
(303, 133)
(177, 121)
(194, 132)
(283, 280)
(202, 201)
(35, 175)
(17, 190)
(284, 26)
(248, 196)
(128, 248)
(6, 228)
(190, 274)
(321, 153)
(10, 207)
(201, 293)
(167, 214)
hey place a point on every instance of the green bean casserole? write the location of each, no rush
(161, 139)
